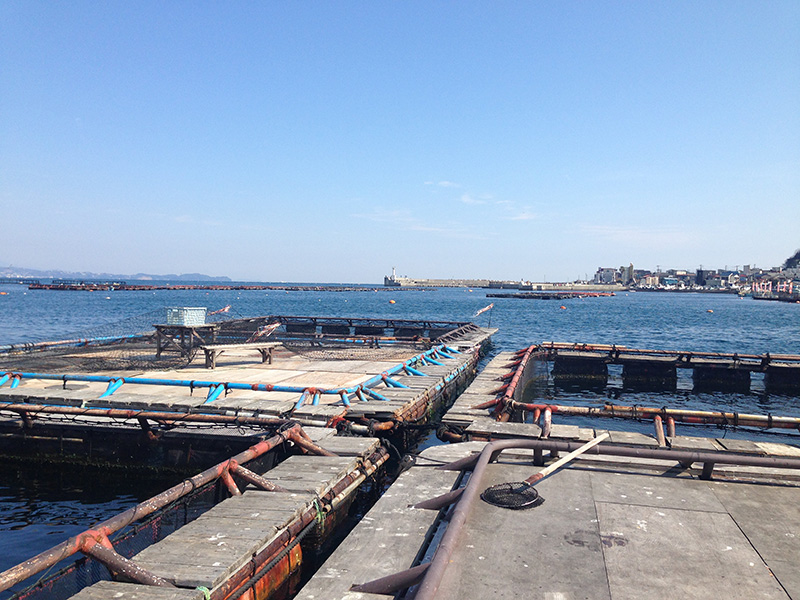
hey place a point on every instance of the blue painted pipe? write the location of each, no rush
(113, 386)
(394, 383)
(413, 371)
(376, 395)
(377, 379)
(302, 400)
(214, 392)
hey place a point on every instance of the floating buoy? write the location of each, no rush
(710, 311)
(108, 297)
(392, 302)
(3, 293)
(562, 307)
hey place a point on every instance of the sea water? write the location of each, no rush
(37, 513)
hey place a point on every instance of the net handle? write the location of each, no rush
(562, 461)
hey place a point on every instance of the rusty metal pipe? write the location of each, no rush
(685, 416)
(547, 422)
(309, 446)
(117, 413)
(687, 457)
(69, 547)
(243, 575)
(435, 572)
(120, 565)
(659, 431)
(670, 427)
(254, 478)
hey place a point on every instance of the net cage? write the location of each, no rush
(131, 344)
(70, 576)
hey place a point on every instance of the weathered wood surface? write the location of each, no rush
(213, 351)
(289, 369)
(209, 549)
(389, 536)
(108, 590)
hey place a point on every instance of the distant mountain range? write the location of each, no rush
(12, 271)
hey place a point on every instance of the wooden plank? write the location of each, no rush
(288, 504)
(314, 474)
(385, 541)
(351, 446)
(104, 590)
(563, 432)
(504, 430)
(68, 397)
(628, 437)
(778, 449)
(319, 434)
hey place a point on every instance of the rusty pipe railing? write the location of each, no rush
(686, 354)
(103, 530)
(31, 410)
(697, 417)
(509, 389)
(429, 575)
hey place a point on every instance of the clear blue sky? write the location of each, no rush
(329, 141)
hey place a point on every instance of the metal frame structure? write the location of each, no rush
(362, 391)
(429, 575)
(508, 403)
(95, 542)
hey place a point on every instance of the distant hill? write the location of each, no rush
(12, 271)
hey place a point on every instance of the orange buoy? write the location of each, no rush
(710, 311)
(562, 307)
(392, 302)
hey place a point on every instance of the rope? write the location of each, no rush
(205, 590)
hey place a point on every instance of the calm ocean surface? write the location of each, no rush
(38, 512)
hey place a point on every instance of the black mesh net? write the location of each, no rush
(74, 575)
(515, 495)
(132, 344)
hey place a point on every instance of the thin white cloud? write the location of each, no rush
(525, 215)
(472, 200)
(444, 184)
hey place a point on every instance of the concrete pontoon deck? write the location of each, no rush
(610, 527)
(684, 516)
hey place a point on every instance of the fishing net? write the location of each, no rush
(515, 495)
(132, 344)
(73, 577)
